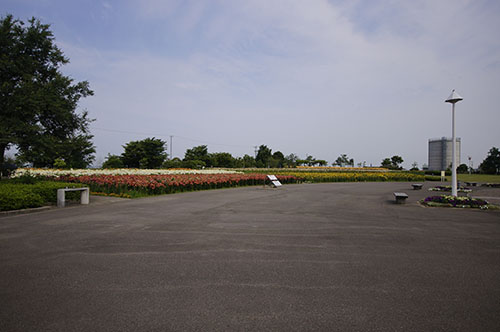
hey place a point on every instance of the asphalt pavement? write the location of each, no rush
(309, 257)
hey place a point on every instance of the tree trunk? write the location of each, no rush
(3, 147)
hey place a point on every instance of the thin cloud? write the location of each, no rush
(310, 77)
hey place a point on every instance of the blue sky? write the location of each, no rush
(317, 77)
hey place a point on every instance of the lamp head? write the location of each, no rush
(453, 98)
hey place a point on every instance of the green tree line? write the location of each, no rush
(150, 153)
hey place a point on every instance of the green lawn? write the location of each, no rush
(483, 178)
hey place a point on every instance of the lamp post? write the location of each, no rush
(453, 99)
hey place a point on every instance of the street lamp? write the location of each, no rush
(453, 99)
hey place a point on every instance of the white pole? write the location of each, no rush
(453, 99)
(171, 147)
(453, 154)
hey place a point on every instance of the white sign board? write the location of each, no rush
(274, 181)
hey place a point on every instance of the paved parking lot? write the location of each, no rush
(332, 257)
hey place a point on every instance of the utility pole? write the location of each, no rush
(171, 146)
(255, 150)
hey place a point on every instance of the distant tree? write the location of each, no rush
(414, 166)
(321, 162)
(173, 163)
(147, 153)
(343, 160)
(396, 161)
(277, 160)
(198, 153)
(9, 166)
(222, 159)
(37, 102)
(113, 161)
(290, 160)
(248, 161)
(491, 164)
(462, 169)
(392, 163)
(264, 154)
(195, 164)
(386, 163)
(278, 155)
(60, 163)
(301, 162)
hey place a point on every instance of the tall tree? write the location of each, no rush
(277, 160)
(198, 154)
(392, 163)
(291, 160)
(491, 164)
(113, 161)
(148, 153)
(321, 162)
(264, 154)
(248, 161)
(343, 160)
(386, 163)
(222, 159)
(310, 161)
(37, 102)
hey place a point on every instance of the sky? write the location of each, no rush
(321, 78)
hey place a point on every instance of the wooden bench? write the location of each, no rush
(61, 193)
(417, 186)
(400, 198)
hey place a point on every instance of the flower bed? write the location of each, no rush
(448, 188)
(342, 169)
(144, 185)
(460, 202)
(354, 176)
(43, 172)
(491, 185)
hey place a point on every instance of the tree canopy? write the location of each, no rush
(343, 160)
(113, 161)
(264, 154)
(147, 153)
(393, 162)
(491, 164)
(37, 102)
(199, 155)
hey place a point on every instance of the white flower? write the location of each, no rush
(118, 171)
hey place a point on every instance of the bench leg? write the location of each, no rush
(60, 198)
(85, 197)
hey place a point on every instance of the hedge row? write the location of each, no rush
(15, 196)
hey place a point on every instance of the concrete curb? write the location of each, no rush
(25, 211)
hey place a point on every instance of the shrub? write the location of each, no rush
(48, 190)
(438, 173)
(15, 195)
(433, 178)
